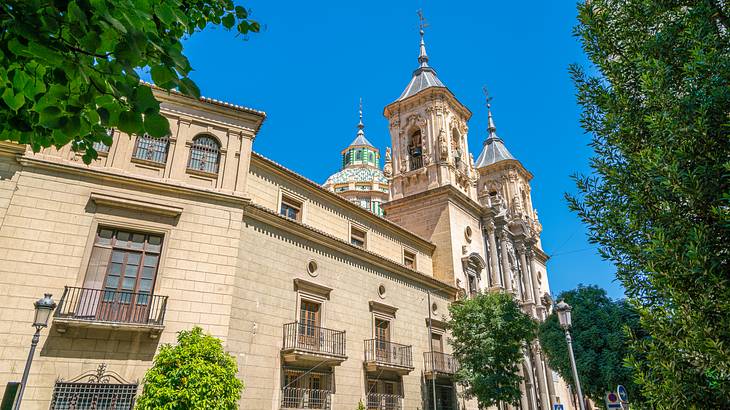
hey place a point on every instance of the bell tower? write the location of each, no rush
(428, 129)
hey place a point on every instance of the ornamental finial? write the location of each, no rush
(491, 128)
(360, 125)
(422, 56)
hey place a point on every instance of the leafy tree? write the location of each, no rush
(69, 68)
(360, 406)
(601, 331)
(194, 374)
(489, 333)
(658, 200)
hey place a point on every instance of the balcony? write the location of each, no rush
(377, 401)
(439, 364)
(296, 398)
(304, 343)
(85, 307)
(381, 355)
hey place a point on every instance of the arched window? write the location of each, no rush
(205, 154)
(151, 149)
(415, 149)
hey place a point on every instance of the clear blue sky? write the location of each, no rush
(315, 59)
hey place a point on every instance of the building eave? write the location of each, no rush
(355, 209)
(304, 231)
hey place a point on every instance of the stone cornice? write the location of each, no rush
(133, 181)
(301, 230)
(303, 182)
(506, 164)
(454, 196)
(429, 94)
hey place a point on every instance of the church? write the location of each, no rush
(327, 295)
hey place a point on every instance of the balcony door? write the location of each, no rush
(130, 274)
(309, 325)
(437, 343)
(382, 340)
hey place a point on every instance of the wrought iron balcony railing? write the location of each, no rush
(111, 306)
(377, 401)
(296, 398)
(388, 353)
(440, 363)
(320, 340)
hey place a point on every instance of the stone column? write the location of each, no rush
(533, 272)
(525, 273)
(506, 271)
(550, 382)
(533, 380)
(523, 387)
(542, 380)
(493, 263)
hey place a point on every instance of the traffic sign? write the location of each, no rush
(623, 395)
(558, 406)
(613, 401)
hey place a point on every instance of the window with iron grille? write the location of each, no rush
(71, 396)
(99, 146)
(205, 154)
(151, 149)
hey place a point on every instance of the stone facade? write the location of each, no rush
(323, 303)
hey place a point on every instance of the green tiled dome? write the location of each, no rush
(357, 174)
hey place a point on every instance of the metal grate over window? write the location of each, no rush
(96, 393)
(151, 149)
(72, 396)
(205, 154)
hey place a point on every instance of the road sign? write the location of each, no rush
(623, 395)
(558, 406)
(613, 401)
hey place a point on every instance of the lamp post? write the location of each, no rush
(43, 309)
(563, 310)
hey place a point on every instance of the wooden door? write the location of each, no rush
(382, 340)
(309, 316)
(130, 277)
(438, 348)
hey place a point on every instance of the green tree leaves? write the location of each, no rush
(69, 70)
(602, 331)
(489, 333)
(658, 202)
(194, 374)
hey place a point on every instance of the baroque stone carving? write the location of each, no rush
(443, 147)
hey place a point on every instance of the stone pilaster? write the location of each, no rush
(496, 277)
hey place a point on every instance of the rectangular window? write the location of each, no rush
(151, 149)
(409, 259)
(358, 237)
(291, 208)
(93, 395)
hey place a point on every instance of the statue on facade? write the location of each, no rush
(443, 147)
(388, 167)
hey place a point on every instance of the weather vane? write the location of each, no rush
(487, 98)
(421, 21)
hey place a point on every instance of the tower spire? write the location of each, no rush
(422, 56)
(360, 125)
(491, 128)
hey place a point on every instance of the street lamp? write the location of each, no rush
(563, 310)
(43, 309)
